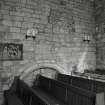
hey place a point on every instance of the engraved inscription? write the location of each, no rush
(10, 51)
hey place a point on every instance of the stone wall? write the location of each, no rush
(100, 33)
(59, 43)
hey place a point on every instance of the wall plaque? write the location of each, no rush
(11, 51)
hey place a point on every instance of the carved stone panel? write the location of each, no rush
(11, 51)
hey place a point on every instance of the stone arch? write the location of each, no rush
(42, 65)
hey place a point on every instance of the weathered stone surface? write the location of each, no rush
(100, 32)
(59, 43)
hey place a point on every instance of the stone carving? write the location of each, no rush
(10, 51)
(62, 20)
